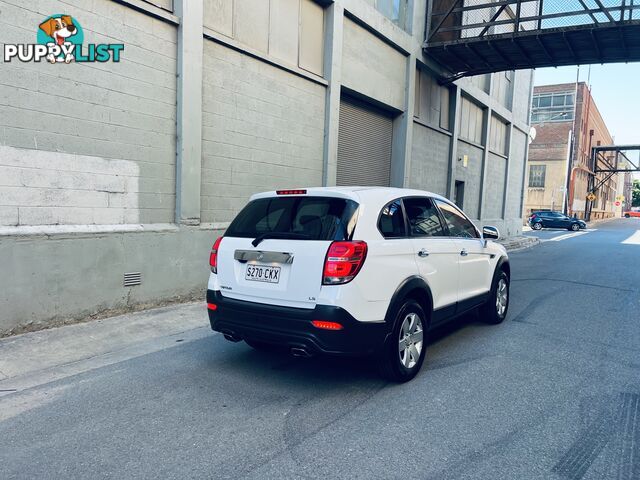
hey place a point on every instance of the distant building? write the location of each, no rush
(554, 115)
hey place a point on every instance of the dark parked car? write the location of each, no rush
(539, 220)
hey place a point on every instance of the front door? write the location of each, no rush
(474, 261)
(436, 254)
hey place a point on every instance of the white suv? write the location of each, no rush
(353, 271)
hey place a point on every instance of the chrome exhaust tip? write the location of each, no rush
(232, 338)
(300, 352)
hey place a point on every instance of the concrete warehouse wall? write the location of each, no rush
(372, 67)
(430, 159)
(56, 279)
(102, 138)
(471, 175)
(514, 201)
(496, 177)
(263, 129)
(137, 166)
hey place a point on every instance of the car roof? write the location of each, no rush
(360, 193)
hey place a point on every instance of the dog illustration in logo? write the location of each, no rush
(59, 29)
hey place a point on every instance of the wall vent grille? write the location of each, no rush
(132, 279)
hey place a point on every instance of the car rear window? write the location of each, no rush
(313, 218)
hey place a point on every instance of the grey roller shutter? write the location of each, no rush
(364, 145)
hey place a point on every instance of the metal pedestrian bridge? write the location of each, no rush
(472, 37)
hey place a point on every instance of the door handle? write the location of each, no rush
(423, 253)
(464, 252)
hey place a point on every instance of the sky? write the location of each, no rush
(614, 88)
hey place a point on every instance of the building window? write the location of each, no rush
(536, 176)
(471, 121)
(499, 132)
(433, 102)
(552, 107)
(395, 10)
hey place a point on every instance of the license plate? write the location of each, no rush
(262, 273)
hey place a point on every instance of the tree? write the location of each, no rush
(636, 193)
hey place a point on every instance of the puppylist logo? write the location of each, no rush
(61, 40)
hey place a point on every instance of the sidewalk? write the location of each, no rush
(35, 358)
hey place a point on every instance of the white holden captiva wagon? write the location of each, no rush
(353, 271)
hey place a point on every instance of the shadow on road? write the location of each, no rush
(275, 365)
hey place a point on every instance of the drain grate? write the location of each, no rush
(132, 279)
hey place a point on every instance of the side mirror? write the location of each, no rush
(490, 233)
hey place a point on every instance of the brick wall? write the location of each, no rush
(263, 128)
(88, 143)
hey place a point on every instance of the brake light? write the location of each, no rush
(534, 216)
(212, 306)
(324, 325)
(213, 257)
(291, 192)
(343, 262)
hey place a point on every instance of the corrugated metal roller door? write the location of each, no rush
(364, 145)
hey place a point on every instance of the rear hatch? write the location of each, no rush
(274, 250)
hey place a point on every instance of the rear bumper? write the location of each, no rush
(291, 327)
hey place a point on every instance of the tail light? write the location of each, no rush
(213, 257)
(534, 216)
(343, 262)
(324, 325)
(291, 192)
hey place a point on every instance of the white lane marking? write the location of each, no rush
(568, 235)
(633, 239)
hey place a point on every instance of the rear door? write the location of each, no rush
(436, 255)
(474, 260)
(555, 220)
(547, 221)
(285, 270)
(564, 221)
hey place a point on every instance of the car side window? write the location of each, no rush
(423, 218)
(459, 225)
(391, 223)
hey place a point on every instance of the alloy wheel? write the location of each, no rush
(502, 297)
(411, 340)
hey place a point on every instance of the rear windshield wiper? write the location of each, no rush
(280, 235)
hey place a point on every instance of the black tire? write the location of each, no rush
(574, 227)
(490, 312)
(390, 360)
(537, 226)
(626, 215)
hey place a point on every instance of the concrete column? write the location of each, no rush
(334, 26)
(485, 162)
(507, 184)
(453, 146)
(189, 105)
(403, 130)
(485, 156)
(526, 148)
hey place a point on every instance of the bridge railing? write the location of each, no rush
(454, 20)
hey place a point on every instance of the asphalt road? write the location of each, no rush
(554, 392)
